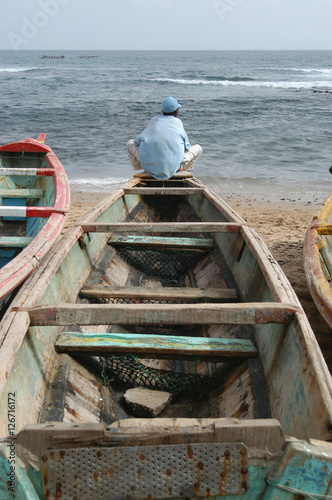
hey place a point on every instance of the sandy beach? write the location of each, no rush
(282, 225)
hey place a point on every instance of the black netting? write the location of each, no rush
(163, 263)
(130, 370)
(106, 300)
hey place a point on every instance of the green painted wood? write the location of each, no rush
(21, 193)
(304, 471)
(15, 241)
(155, 346)
(165, 242)
(15, 482)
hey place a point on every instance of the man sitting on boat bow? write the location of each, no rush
(163, 148)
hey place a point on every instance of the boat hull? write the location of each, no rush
(68, 415)
(318, 262)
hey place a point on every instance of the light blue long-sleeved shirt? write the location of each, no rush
(162, 145)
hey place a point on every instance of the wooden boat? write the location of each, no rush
(34, 192)
(162, 285)
(318, 260)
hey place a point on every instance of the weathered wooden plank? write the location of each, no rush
(55, 397)
(177, 175)
(21, 193)
(162, 227)
(155, 346)
(257, 434)
(11, 211)
(27, 171)
(15, 241)
(164, 242)
(163, 191)
(162, 293)
(156, 314)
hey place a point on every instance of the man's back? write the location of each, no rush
(162, 145)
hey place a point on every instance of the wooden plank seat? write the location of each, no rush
(177, 175)
(162, 227)
(30, 211)
(15, 241)
(27, 171)
(21, 193)
(155, 346)
(161, 242)
(162, 293)
(157, 314)
(164, 190)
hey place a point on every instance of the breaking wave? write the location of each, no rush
(17, 70)
(96, 184)
(247, 83)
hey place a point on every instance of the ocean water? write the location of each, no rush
(263, 118)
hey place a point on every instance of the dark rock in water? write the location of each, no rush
(146, 403)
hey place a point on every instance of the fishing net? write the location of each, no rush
(130, 370)
(162, 263)
(138, 301)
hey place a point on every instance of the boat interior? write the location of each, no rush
(164, 289)
(161, 288)
(21, 190)
(163, 270)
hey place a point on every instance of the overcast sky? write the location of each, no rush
(165, 24)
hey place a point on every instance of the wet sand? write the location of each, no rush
(282, 225)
